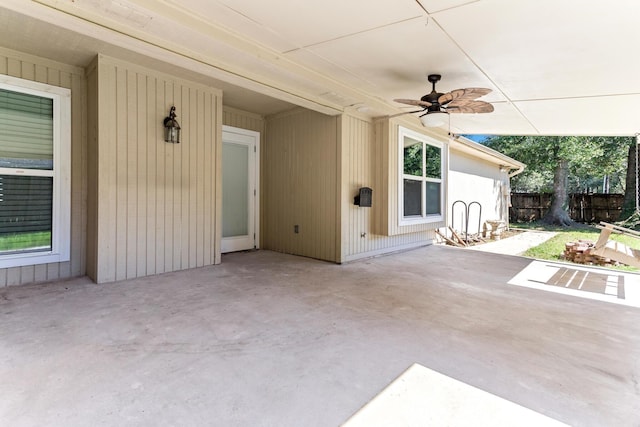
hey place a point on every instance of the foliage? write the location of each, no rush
(432, 162)
(413, 160)
(590, 160)
(20, 241)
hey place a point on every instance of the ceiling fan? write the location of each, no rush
(436, 105)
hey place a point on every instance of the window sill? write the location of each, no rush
(417, 221)
(31, 258)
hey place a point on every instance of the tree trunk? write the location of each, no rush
(629, 203)
(558, 214)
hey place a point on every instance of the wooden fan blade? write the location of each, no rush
(469, 107)
(468, 93)
(414, 102)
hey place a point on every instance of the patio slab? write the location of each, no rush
(268, 339)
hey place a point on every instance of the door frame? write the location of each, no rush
(256, 208)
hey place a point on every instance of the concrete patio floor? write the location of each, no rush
(267, 339)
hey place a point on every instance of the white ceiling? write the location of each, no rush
(556, 67)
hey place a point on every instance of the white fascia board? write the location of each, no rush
(460, 143)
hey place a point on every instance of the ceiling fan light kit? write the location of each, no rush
(437, 106)
(435, 119)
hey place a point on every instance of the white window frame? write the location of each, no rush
(423, 218)
(61, 173)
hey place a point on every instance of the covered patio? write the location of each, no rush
(267, 339)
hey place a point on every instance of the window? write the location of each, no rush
(420, 178)
(35, 143)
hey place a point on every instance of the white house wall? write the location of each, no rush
(157, 207)
(472, 179)
(29, 67)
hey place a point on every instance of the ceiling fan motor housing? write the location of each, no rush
(433, 97)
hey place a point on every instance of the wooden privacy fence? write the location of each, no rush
(527, 207)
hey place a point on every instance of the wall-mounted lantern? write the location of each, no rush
(363, 198)
(171, 127)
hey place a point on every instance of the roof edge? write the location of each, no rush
(471, 147)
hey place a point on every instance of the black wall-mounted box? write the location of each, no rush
(363, 199)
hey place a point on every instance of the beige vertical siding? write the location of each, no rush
(383, 185)
(156, 208)
(92, 170)
(386, 140)
(365, 160)
(28, 67)
(242, 119)
(300, 184)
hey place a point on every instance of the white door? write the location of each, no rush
(240, 174)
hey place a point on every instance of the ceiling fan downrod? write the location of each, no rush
(434, 78)
(432, 97)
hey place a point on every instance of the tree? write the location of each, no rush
(564, 164)
(558, 212)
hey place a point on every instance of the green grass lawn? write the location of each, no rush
(22, 241)
(553, 248)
